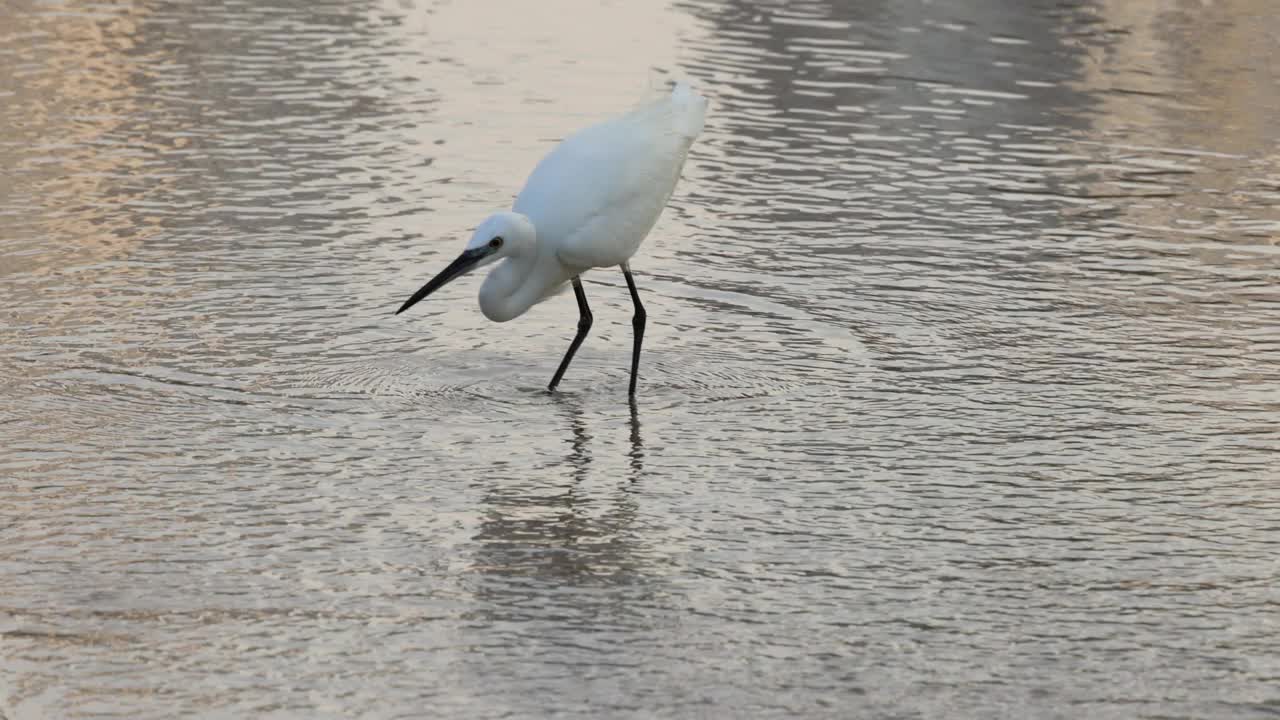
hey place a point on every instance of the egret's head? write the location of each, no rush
(500, 235)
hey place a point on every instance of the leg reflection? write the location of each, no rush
(579, 458)
(637, 445)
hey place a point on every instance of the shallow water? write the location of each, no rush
(960, 396)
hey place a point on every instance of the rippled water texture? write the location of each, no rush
(961, 396)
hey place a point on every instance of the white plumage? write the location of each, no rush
(588, 204)
(598, 193)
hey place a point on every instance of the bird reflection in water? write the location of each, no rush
(575, 528)
(579, 457)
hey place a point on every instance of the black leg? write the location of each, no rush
(584, 324)
(637, 324)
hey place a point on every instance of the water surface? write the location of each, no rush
(960, 395)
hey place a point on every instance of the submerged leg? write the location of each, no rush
(637, 325)
(584, 324)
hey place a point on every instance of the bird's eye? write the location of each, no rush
(495, 243)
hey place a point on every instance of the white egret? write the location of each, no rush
(588, 204)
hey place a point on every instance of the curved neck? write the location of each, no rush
(518, 283)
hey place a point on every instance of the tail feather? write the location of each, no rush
(689, 110)
(679, 112)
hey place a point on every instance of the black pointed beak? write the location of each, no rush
(463, 264)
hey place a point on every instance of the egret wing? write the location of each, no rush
(597, 194)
